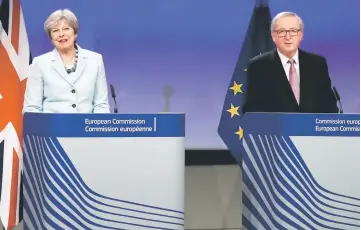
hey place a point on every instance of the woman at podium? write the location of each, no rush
(68, 79)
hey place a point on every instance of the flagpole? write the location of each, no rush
(261, 2)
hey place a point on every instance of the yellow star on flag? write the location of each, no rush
(236, 88)
(239, 132)
(233, 110)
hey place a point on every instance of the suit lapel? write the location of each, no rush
(304, 75)
(58, 65)
(80, 65)
(281, 77)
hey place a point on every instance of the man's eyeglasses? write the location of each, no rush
(283, 33)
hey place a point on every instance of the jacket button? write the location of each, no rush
(74, 105)
(73, 91)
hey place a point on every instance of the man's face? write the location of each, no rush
(287, 35)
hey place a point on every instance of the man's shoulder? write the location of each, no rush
(271, 55)
(311, 55)
(263, 58)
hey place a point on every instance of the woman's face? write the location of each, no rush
(63, 36)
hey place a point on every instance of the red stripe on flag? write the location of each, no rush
(12, 95)
(14, 191)
(21, 104)
(15, 26)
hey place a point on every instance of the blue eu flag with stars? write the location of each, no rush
(258, 40)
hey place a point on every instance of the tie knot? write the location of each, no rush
(291, 61)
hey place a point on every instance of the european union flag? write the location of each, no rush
(258, 40)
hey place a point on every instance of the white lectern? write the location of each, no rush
(104, 171)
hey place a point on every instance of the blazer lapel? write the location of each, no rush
(281, 77)
(58, 65)
(305, 73)
(80, 65)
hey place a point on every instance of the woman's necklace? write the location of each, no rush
(71, 70)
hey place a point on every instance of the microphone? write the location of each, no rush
(337, 96)
(113, 96)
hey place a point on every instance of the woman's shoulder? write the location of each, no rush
(90, 53)
(43, 57)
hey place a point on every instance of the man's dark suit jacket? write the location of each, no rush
(268, 89)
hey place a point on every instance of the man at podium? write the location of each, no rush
(289, 79)
(69, 79)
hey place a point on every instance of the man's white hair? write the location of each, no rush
(284, 15)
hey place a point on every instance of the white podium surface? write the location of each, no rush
(104, 171)
(301, 171)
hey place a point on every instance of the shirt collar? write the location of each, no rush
(285, 59)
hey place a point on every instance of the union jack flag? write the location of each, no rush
(15, 60)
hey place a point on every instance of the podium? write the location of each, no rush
(301, 171)
(104, 171)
